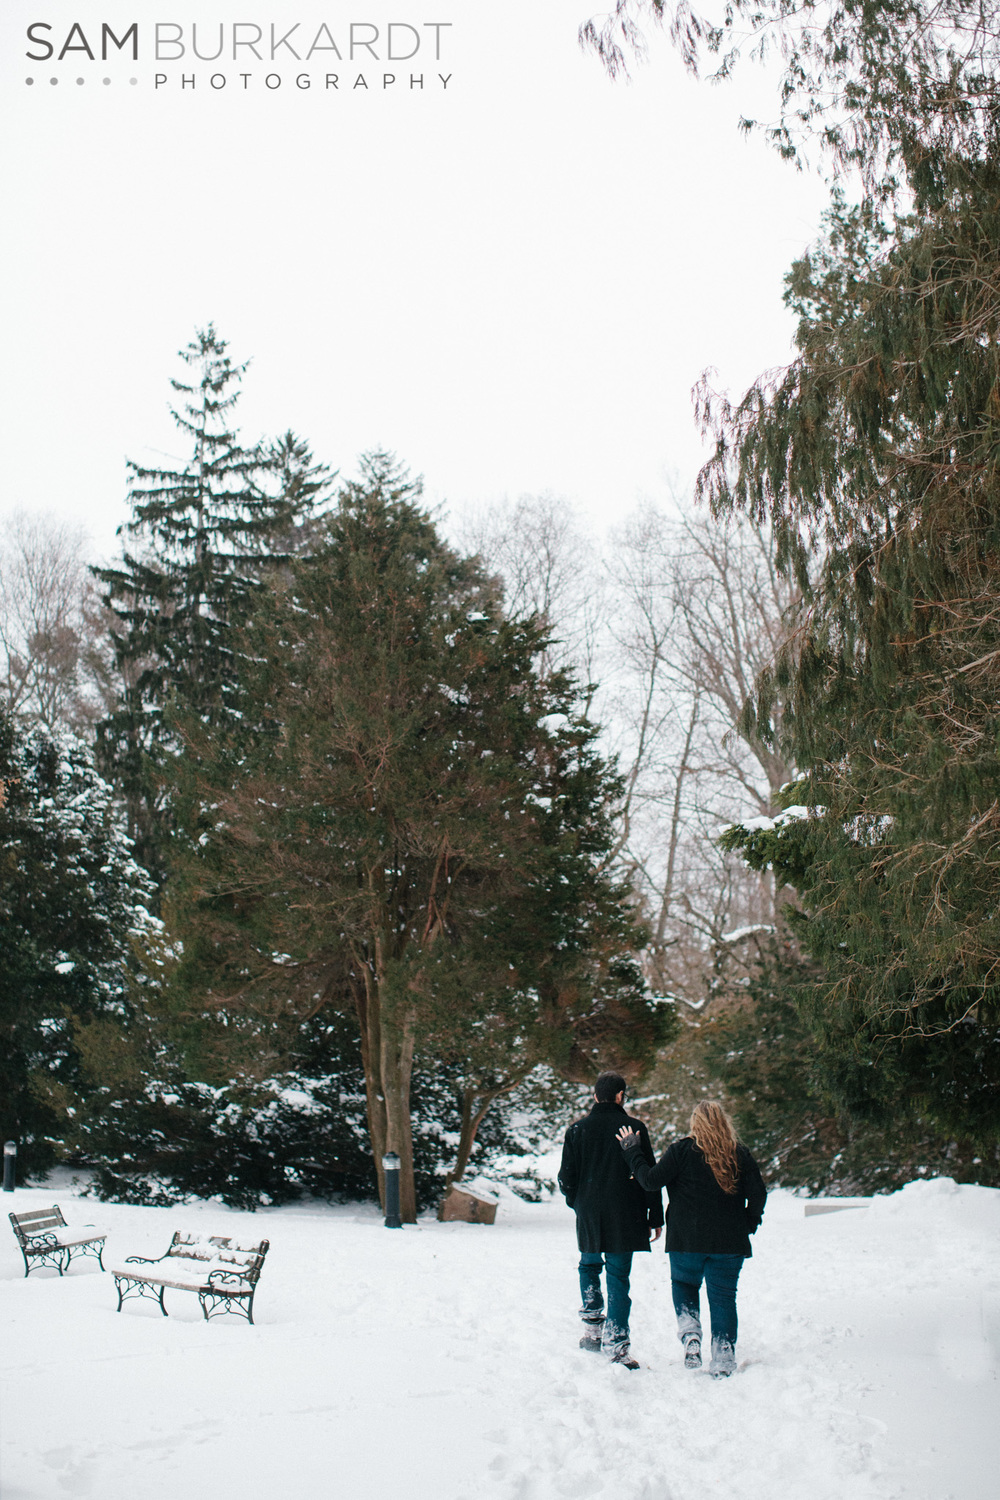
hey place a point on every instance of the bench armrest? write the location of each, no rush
(45, 1241)
(144, 1260)
(234, 1280)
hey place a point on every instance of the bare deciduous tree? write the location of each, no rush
(700, 610)
(677, 622)
(548, 567)
(51, 624)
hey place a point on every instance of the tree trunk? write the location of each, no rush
(387, 1041)
(667, 894)
(471, 1121)
(366, 999)
(472, 1118)
(396, 1071)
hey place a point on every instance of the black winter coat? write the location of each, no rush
(701, 1217)
(612, 1211)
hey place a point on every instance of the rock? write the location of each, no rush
(471, 1205)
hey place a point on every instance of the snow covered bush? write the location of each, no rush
(303, 1133)
(245, 1144)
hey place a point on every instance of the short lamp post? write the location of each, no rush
(390, 1166)
(9, 1165)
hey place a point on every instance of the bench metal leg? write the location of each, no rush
(129, 1288)
(94, 1250)
(226, 1302)
(51, 1258)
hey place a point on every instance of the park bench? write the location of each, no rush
(220, 1270)
(47, 1240)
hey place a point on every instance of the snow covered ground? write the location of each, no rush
(440, 1363)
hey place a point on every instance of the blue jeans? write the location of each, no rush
(618, 1267)
(720, 1273)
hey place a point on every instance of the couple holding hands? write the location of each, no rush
(611, 1179)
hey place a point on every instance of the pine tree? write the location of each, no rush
(204, 534)
(891, 93)
(780, 1057)
(875, 456)
(72, 904)
(409, 826)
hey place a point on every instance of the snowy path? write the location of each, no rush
(441, 1362)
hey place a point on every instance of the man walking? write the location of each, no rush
(614, 1216)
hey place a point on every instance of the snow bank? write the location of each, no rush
(441, 1363)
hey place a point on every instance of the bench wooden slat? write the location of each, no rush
(200, 1260)
(180, 1283)
(73, 1236)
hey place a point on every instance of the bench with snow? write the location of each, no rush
(47, 1240)
(221, 1271)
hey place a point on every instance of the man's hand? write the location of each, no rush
(627, 1138)
(654, 1234)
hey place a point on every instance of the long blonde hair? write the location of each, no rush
(715, 1136)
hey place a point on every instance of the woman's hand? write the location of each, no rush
(627, 1138)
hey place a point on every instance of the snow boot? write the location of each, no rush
(692, 1352)
(622, 1357)
(723, 1359)
(593, 1330)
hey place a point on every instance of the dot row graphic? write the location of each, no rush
(81, 80)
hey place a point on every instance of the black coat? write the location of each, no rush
(612, 1211)
(701, 1217)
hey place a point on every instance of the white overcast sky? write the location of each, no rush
(513, 283)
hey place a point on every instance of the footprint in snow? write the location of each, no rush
(78, 1473)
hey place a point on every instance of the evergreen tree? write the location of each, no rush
(72, 904)
(407, 825)
(779, 1057)
(893, 92)
(205, 534)
(876, 454)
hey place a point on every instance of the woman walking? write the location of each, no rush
(717, 1201)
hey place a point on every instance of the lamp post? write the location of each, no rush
(9, 1165)
(390, 1166)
